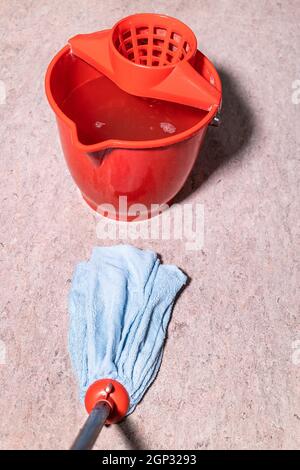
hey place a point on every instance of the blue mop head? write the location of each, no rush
(120, 306)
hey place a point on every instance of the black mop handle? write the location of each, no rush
(88, 434)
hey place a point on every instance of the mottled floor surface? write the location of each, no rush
(230, 373)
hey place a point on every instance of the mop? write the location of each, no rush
(120, 305)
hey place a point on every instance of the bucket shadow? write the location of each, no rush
(130, 435)
(225, 142)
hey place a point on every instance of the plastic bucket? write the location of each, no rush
(147, 173)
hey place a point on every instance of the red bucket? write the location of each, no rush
(108, 162)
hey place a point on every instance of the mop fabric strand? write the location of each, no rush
(120, 305)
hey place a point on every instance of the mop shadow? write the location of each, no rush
(132, 438)
(223, 143)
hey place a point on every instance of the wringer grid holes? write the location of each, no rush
(153, 45)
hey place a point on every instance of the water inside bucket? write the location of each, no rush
(101, 111)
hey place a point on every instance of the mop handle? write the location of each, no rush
(88, 434)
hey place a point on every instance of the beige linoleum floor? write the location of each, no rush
(231, 369)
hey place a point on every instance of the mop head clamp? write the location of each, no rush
(111, 392)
